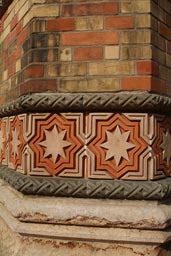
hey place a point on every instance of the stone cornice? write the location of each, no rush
(82, 102)
(111, 189)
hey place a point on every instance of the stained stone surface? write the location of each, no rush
(81, 227)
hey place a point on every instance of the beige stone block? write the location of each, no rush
(143, 21)
(90, 85)
(89, 23)
(111, 68)
(18, 65)
(112, 52)
(50, 10)
(5, 33)
(138, 36)
(73, 69)
(5, 75)
(65, 54)
(18, 5)
(24, 9)
(9, 18)
(135, 6)
(52, 70)
(5, 86)
(136, 52)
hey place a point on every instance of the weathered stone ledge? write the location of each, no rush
(144, 215)
(126, 101)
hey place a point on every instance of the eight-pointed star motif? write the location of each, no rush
(117, 145)
(166, 146)
(54, 143)
(15, 142)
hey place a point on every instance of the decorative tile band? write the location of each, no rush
(82, 102)
(127, 146)
(82, 188)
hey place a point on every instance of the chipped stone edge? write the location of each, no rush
(126, 101)
(63, 209)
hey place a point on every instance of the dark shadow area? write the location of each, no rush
(3, 6)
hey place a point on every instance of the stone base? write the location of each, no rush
(71, 227)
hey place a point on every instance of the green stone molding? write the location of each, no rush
(81, 188)
(82, 102)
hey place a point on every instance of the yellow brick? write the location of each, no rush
(135, 6)
(9, 18)
(143, 21)
(18, 5)
(18, 65)
(23, 10)
(112, 52)
(5, 33)
(89, 23)
(133, 37)
(73, 69)
(45, 10)
(111, 68)
(65, 54)
(136, 52)
(5, 75)
(6, 86)
(90, 85)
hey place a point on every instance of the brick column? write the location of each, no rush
(85, 113)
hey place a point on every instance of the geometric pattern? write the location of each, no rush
(106, 146)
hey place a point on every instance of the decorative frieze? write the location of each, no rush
(128, 146)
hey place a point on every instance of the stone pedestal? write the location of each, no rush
(66, 226)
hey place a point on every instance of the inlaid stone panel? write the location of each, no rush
(128, 146)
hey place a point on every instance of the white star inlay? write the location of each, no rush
(117, 145)
(166, 146)
(54, 143)
(15, 142)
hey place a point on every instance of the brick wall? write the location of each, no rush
(76, 46)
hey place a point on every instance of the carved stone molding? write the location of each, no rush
(111, 189)
(82, 102)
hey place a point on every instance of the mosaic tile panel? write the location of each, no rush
(128, 146)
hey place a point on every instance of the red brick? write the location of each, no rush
(22, 37)
(168, 20)
(38, 86)
(11, 70)
(61, 25)
(34, 71)
(89, 38)
(136, 83)
(158, 85)
(89, 9)
(95, 53)
(119, 22)
(14, 33)
(165, 31)
(14, 22)
(168, 47)
(147, 68)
